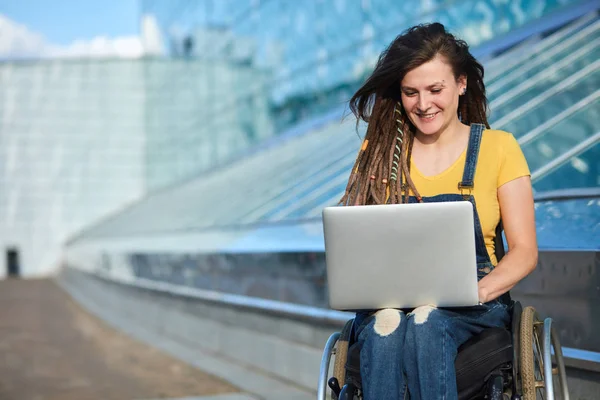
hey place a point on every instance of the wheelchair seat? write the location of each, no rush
(482, 357)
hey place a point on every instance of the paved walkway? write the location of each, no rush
(51, 349)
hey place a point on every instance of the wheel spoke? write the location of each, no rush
(538, 349)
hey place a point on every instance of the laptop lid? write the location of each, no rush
(401, 255)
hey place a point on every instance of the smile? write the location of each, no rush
(427, 117)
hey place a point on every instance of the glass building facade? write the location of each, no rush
(186, 130)
(236, 122)
(71, 151)
(304, 58)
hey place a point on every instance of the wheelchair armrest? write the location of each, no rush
(498, 242)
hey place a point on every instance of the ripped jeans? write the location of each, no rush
(418, 349)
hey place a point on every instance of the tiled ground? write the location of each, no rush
(51, 349)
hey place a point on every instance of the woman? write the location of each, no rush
(427, 140)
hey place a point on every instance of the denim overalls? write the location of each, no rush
(418, 349)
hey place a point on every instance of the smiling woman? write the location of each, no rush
(432, 110)
(428, 140)
(430, 106)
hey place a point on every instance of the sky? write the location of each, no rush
(32, 28)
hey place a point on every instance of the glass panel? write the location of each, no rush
(307, 197)
(551, 77)
(526, 53)
(323, 196)
(240, 71)
(578, 172)
(281, 186)
(331, 199)
(563, 136)
(306, 178)
(71, 149)
(571, 49)
(548, 108)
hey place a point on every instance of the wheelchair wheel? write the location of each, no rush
(336, 347)
(324, 370)
(341, 353)
(537, 369)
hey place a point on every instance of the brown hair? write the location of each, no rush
(381, 172)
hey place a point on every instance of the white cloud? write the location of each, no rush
(99, 47)
(19, 42)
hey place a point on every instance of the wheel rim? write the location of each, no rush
(537, 340)
(532, 360)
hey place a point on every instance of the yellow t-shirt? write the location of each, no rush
(501, 160)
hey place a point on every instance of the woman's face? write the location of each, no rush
(430, 96)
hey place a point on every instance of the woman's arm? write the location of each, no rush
(518, 217)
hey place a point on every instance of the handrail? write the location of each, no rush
(580, 358)
(568, 194)
(289, 310)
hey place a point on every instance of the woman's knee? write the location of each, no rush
(423, 315)
(387, 321)
(382, 336)
(383, 323)
(427, 335)
(426, 322)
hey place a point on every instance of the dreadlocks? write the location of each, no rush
(381, 173)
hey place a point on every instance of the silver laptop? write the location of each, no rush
(400, 256)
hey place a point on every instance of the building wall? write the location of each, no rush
(271, 65)
(71, 151)
(195, 117)
(80, 140)
(314, 47)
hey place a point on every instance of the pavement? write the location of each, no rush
(52, 349)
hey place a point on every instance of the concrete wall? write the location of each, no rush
(71, 151)
(286, 352)
(269, 353)
(82, 139)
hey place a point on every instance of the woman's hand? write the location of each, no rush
(483, 296)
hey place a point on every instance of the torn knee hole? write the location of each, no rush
(421, 314)
(387, 321)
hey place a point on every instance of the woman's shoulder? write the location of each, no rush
(498, 140)
(502, 150)
(497, 136)
(497, 145)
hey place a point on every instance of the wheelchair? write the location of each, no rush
(522, 362)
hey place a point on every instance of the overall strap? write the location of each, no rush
(472, 155)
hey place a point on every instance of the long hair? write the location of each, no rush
(381, 173)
